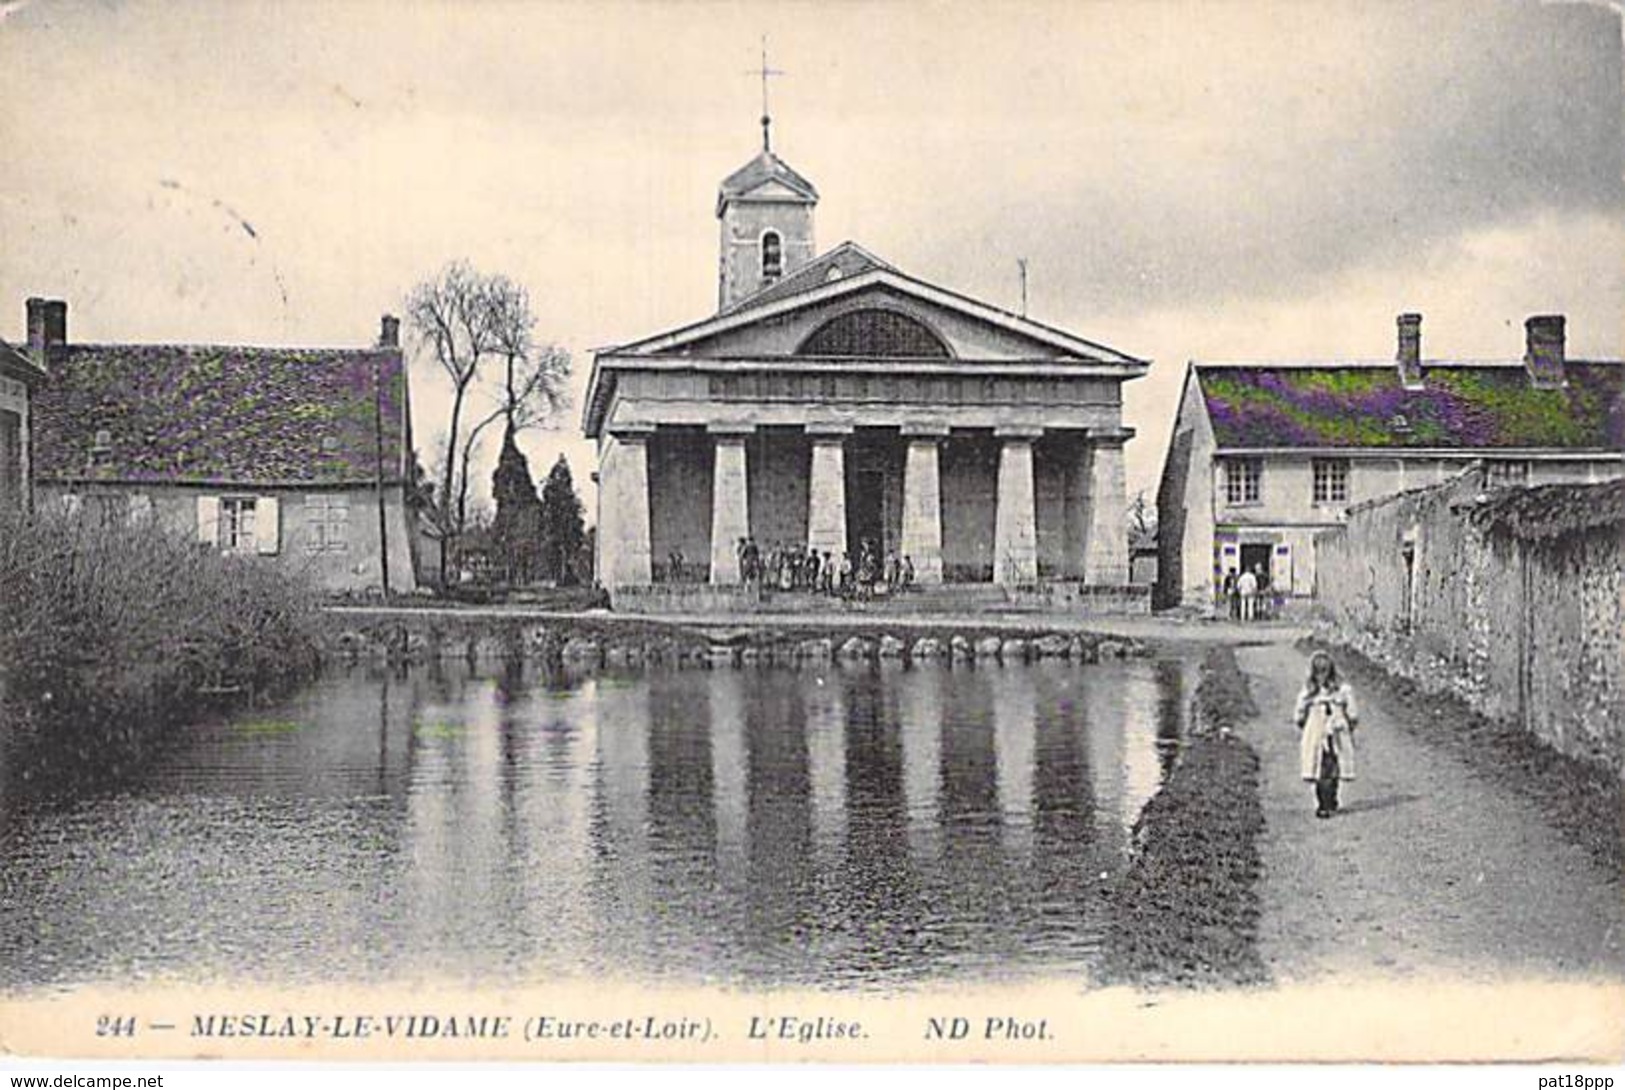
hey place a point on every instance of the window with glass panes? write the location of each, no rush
(327, 521)
(1331, 480)
(1243, 478)
(1505, 473)
(237, 524)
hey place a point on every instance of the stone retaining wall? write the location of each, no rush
(666, 599)
(605, 642)
(1526, 629)
(682, 598)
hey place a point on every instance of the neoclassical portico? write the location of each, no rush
(838, 404)
(1016, 503)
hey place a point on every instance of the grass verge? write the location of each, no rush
(1185, 912)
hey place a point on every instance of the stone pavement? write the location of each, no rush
(1428, 869)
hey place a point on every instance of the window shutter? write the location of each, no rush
(315, 522)
(140, 509)
(1281, 569)
(208, 520)
(267, 525)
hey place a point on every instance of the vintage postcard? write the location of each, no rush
(934, 532)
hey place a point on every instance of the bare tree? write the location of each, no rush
(451, 317)
(466, 318)
(535, 377)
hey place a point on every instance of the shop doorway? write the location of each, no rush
(1256, 559)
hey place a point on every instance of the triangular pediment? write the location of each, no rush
(782, 320)
(771, 191)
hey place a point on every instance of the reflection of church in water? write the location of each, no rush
(887, 825)
(834, 400)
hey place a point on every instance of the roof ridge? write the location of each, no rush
(776, 290)
(1378, 363)
(187, 346)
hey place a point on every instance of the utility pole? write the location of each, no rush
(1021, 264)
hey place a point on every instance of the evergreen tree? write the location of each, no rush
(517, 530)
(563, 533)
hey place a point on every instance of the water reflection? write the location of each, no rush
(832, 827)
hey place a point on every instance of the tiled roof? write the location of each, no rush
(766, 167)
(200, 413)
(847, 259)
(1483, 406)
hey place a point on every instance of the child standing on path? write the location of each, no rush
(1326, 716)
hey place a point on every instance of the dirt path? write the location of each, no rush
(1428, 868)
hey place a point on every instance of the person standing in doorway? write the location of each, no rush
(1326, 716)
(1247, 588)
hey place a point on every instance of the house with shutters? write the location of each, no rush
(1263, 456)
(301, 457)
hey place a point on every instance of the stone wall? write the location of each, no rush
(1173, 512)
(14, 443)
(780, 470)
(681, 465)
(970, 476)
(1088, 598)
(356, 567)
(1525, 628)
(683, 598)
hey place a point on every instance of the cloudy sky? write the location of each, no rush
(1186, 180)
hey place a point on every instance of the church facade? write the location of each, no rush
(836, 403)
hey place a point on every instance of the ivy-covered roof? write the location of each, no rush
(221, 414)
(1484, 406)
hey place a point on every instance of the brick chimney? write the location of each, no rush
(1409, 355)
(1543, 350)
(47, 328)
(389, 332)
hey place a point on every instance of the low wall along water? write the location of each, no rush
(587, 641)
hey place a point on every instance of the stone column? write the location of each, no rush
(826, 493)
(1015, 528)
(623, 509)
(922, 501)
(730, 503)
(1105, 559)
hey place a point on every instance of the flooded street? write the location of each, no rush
(828, 826)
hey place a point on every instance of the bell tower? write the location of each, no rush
(766, 213)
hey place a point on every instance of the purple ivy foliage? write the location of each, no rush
(221, 413)
(1459, 406)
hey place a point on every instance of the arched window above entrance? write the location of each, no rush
(874, 332)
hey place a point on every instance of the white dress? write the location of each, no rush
(1321, 715)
